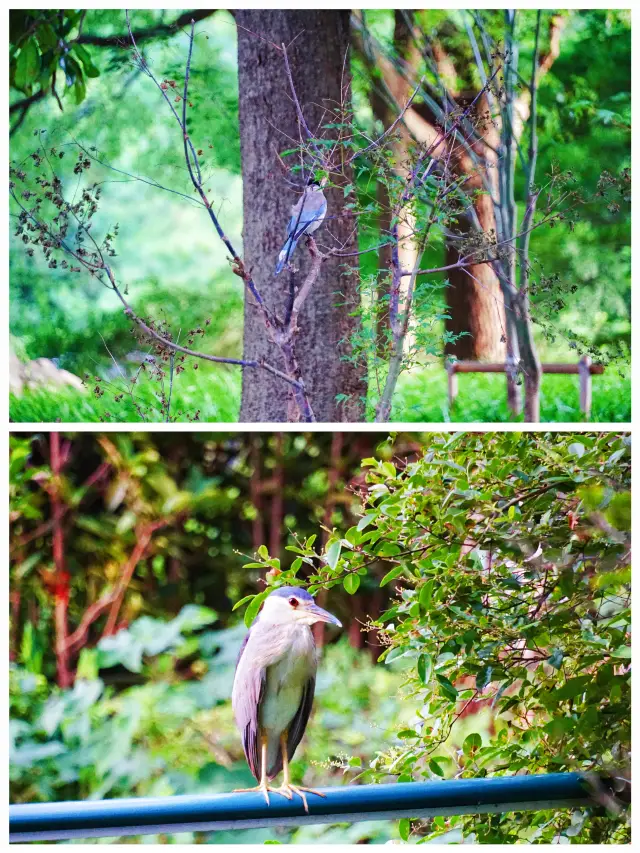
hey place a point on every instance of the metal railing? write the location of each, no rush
(349, 804)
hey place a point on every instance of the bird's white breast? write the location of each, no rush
(286, 679)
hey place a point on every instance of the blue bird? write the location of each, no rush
(306, 217)
(274, 685)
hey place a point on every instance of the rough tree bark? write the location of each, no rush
(318, 43)
(474, 300)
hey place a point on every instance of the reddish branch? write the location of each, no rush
(59, 454)
(46, 526)
(113, 600)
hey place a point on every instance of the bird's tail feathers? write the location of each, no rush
(285, 254)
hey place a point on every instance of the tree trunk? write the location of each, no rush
(318, 44)
(474, 300)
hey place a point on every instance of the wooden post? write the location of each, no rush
(514, 397)
(584, 370)
(452, 381)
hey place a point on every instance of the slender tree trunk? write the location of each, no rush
(474, 300)
(318, 45)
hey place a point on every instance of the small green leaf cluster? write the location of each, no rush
(42, 43)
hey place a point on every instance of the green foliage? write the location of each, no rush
(62, 315)
(509, 556)
(44, 42)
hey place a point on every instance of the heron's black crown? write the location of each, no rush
(286, 591)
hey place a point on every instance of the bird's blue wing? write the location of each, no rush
(299, 224)
(249, 687)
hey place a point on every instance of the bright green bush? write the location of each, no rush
(509, 554)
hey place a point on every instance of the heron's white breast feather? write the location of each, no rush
(287, 678)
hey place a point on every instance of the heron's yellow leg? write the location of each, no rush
(287, 789)
(264, 785)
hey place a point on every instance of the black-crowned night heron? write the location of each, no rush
(274, 684)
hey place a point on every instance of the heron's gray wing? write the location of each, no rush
(297, 725)
(299, 722)
(248, 692)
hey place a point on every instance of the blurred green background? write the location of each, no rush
(175, 268)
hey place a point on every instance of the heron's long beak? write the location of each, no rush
(323, 615)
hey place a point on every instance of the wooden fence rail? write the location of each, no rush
(584, 369)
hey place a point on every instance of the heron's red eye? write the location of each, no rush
(293, 602)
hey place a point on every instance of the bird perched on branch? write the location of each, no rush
(274, 684)
(307, 215)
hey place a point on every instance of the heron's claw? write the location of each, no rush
(288, 790)
(262, 787)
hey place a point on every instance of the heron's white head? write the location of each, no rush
(290, 605)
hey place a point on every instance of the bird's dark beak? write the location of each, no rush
(323, 615)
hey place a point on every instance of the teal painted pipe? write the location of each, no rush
(349, 804)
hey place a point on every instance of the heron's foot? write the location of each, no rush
(288, 790)
(264, 788)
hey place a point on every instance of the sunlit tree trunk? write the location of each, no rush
(474, 301)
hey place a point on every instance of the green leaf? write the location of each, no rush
(47, 38)
(619, 511)
(394, 654)
(332, 554)
(192, 617)
(471, 743)
(23, 568)
(27, 65)
(622, 652)
(351, 583)
(483, 678)
(426, 594)
(447, 688)
(404, 828)
(126, 521)
(435, 768)
(577, 449)
(366, 520)
(573, 687)
(252, 610)
(556, 658)
(397, 570)
(85, 57)
(263, 552)
(425, 668)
